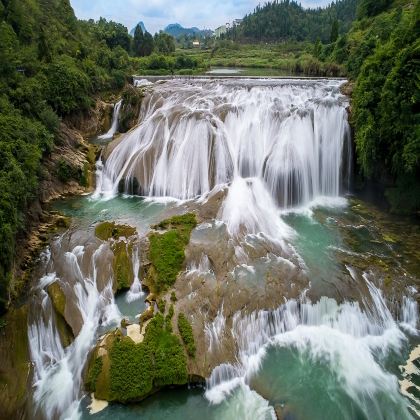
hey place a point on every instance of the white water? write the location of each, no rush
(58, 370)
(352, 341)
(114, 124)
(288, 137)
(135, 291)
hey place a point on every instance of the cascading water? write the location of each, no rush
(259, 150)
(58, 370)
(354, 343)
(114, 124)
(135, 291)
(290, 137)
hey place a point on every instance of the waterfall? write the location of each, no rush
(58, 370)
(289, 138)
(135, 291)
(114, 125)
(353, 342)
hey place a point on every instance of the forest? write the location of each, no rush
(51, 65)
(287, 20)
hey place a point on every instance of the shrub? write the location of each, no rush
(187, 335)
(167, 249)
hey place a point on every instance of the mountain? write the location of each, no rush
(143, 28)
(176, 30)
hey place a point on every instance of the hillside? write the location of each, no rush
(51, 67)
(287, 20)
(381, 53)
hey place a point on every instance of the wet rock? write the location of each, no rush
(95, 121)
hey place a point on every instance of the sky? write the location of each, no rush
(156, 14)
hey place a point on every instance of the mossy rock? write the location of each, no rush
(128, 371)
(130, 109)
(186, 332)
(167, 250)
(147, 314)
(108, 230)
(123, 269)
(58, 298)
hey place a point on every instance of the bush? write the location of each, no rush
(187, 336)
(68, 87)
(167, 249)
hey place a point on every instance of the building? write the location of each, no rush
(220, 31)
(196, 44)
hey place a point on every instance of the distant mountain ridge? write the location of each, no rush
(177, 30)
(143, 28)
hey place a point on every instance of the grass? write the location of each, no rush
(187, 335)
(167, 250)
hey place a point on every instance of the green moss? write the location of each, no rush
(170, 364)
(173, 297)
(131, 103)
(58, 298)
(134, 370)
(187, 335)
(93, 374)
(167, 250)
(162, 305)
(108, 230)
(123, 270)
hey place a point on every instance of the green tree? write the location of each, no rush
(334, 31)
(138, 42)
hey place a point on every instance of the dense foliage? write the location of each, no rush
(51, 65)
(287, 20)
(138, 369)
(167, 250)
(186, 332)
(382, 54)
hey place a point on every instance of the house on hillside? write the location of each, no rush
(196, 44)
(220, 31)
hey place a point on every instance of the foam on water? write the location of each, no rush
(353, 342)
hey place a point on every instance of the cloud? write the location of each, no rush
(156, 14)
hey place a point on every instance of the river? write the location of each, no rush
(316, 289)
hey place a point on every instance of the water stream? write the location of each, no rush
(279, 154)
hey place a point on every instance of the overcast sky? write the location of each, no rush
(156, 14)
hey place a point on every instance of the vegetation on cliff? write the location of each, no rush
(166, 251)
(381, 53)
(131, 372)
(122, 248)
(186, 332)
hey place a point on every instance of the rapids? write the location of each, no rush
(266, 165)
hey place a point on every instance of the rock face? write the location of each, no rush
(130, 109)
(96, 121)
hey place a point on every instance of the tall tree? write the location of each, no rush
(138, 41)
(334, 31)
